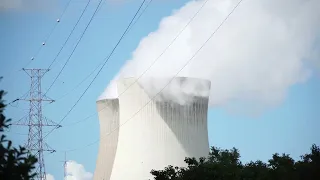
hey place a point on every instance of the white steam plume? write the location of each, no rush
(265, 47)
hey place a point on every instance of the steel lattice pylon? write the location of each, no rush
(36, 122)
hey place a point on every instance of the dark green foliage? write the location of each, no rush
(15, 163)
(225, 165)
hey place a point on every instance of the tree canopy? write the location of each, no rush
(224, 164)
(15, 163)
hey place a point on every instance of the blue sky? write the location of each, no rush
(289, 127)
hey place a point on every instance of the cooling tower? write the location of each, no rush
(152, 135)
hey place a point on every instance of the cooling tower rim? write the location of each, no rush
(106, 99)
(177, 77)
(181, 78)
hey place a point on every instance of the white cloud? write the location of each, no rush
(77, 171)
(265, 47)
(10, 4)
(27, 5)
(49, 177)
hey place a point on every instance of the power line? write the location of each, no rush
(106, 60)
(49, 34)
(62, 47)
(66, 41)
(101, 6)
(137, 19)
(165, 50)
(78, 85)
(17, 133)
(95, 12)
(90, 74)
(64, 44)
(142, 12)
(77, 122)
(161, 54)
(44, 42)
(192, 57)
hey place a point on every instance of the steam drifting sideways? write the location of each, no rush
(265, 47)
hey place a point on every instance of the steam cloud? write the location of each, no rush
(265, 47)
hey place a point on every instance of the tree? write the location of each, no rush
(225, 165)
(15, 163)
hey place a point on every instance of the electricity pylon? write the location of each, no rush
(36, 121)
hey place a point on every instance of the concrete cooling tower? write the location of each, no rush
(152, 135)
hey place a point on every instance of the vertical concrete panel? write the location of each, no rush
(108, 112)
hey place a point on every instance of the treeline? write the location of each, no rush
(224, 164)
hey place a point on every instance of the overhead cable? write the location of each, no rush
(79, 40)
(74, 27)
(164, 51)
(45, 42)
(189, 60)
(161, 54)
(90, 74)
(49, 34)
(106, 60)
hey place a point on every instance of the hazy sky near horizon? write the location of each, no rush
(289, 125)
